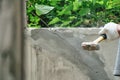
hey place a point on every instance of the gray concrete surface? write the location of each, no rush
(57, 55)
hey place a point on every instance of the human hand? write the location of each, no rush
(110, 29)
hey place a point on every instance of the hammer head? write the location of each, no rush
(90, 46)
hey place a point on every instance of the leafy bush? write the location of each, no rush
(72, 13)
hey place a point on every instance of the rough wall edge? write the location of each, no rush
(87, 31)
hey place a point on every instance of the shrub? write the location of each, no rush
(72, 13)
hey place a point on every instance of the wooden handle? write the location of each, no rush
(101, 38)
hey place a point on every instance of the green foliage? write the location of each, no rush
(42, 9)
(72, 13)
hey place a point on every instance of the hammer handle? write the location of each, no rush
(100, 38)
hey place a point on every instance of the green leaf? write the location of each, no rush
(84, 11)
(77, 23)
(30, 9)
(72, 17)
(66, 10)
(55, 20)
(76, 5)
(38, 12)
(54, 2)
(93, 1)
(31, 18)
(43, 9)
(116, 3)
(65, 23)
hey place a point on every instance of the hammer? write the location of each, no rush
(90, 46)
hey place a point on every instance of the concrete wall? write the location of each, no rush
(56, 54)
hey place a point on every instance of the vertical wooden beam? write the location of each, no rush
(11, 40)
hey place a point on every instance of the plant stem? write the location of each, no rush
(44, 22)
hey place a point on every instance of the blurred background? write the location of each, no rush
(72, 13)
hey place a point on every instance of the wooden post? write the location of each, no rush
(11, 40)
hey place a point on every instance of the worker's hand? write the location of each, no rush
(110, 29)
